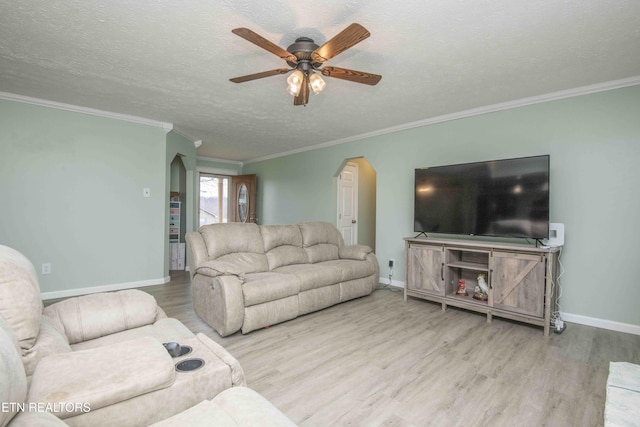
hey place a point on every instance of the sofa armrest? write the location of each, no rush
(198, 249)
(219, 302)
(248, 408)
(237, 373)
(215, 268)
(356, 252)
(236, 406)
(94, 316)
(87, 380)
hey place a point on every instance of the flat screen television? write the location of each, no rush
(501, 198)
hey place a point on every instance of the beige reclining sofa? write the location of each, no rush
(246, 276)
(99, 360)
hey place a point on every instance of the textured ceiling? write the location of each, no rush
(171, 61)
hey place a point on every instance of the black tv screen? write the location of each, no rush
(503, 198)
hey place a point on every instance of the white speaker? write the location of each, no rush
(556, 235)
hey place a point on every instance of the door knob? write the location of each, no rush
(353, 221)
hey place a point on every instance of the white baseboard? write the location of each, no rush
(601, 323)
(396, 283)
(104, 288)
(567, 317)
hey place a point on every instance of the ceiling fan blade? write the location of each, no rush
(260, 41)
(342, 41)
(261, 75)
(351, 75)
(303, 96)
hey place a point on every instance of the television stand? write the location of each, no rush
(520, 278)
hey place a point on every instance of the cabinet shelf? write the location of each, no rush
(469, 265)
(176, 249)
(519, 277)
(468, 299)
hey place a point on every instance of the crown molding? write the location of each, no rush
(569, 93)
(213, 159)
(185, 135)
(167, 127)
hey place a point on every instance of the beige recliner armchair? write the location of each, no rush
(99, 359)
(233, 407)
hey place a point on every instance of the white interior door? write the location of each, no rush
(348, 203)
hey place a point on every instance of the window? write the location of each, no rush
(214, 199)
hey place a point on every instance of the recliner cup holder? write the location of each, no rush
(189, 365)
(177, 350)
(184, 349)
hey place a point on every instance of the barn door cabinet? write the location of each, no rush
(520, 278)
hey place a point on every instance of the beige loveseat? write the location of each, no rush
(99, 360)
(246, 276)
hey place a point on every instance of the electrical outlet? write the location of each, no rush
(392, 262)
(46, 268)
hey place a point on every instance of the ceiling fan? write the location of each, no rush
(305, 58)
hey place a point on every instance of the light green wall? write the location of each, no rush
(71, 194)
(594, 143)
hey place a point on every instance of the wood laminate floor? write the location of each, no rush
(379, 360)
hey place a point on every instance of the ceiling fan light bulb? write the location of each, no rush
(294, 89)
(317, 83)
(295, 78)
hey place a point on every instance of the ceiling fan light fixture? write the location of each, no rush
(305, 57)
(295, 82)
(317, 83)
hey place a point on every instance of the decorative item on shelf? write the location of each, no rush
(174, 196)
(462, 289)
(482, 290)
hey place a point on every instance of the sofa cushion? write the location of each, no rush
(102, 376)
(259, 288)
(313, 276)
(233, 237)
(322, 252)
(321, 241)
(92, 316)
(283, 245)
(20, 302)
(50, 341)
(351, 269)
(13, 380)
(164, 330)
